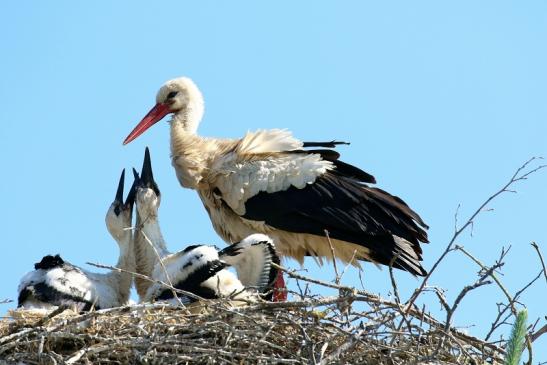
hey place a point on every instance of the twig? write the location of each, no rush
(88, 350)
(144, 277)
(374, 299)
(51, 315)
(515, 178)
(396, 294)
(537, 334)
(535, 245)
(337, 277)
(346, 346)
(442, 299)
(392, 277)
(160, 260)
(349, 264)
(511, 300)
(492, 274)
(462, 294)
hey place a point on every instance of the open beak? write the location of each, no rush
(130, 200)
(155, 114)
(118, 200)
(147, 177)
(136, 176)
(119, 192)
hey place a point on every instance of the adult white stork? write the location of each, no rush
(55, 282)
(199, 269)
(268, 182)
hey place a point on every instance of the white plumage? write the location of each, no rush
(55, 282)
(77, 286)
(199, 269)
(240, 179)
(268, 182)
(252, 258)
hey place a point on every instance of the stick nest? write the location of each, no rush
(319, 330)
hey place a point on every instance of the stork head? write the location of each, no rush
(253, 258)
(118, 216)
(179, 96)
(148, 196)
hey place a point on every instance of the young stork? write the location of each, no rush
(199, 269)
(267, 182)
(203, 271)
(55, 282)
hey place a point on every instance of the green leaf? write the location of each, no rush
(515, 345)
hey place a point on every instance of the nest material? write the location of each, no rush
(311, 331)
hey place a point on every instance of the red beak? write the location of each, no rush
(155, 114)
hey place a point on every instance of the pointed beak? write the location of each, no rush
(119, 192)
(136, 175)
(146, 172)
(155, 114)
(130, 200)
(147, 176)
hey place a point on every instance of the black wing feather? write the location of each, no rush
(341, 168)
(350, 211)
(193, 282)
(47, 294)
(330, 144)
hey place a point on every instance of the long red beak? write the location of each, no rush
(155, 114)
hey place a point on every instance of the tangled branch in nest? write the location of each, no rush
(301, 332)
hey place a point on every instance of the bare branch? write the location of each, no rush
(160, 261)
(462, 294)
(361, 295)
(535, 245)
(144, 277)
(519, 175)
(337, 276)
(493, 275)
(537, 334)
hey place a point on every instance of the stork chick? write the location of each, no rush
(199, 269)
(203, 271)
(55, 282)
(268, 182)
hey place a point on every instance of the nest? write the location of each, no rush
(318, 330)
(353, 327)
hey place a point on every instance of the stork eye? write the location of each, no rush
(172, 94)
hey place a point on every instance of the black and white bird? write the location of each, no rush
(272, 183)
(203, 271)
(55, 282)
(199, 269)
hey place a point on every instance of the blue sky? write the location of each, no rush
(440, 101)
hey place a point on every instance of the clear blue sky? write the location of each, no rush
(441, 102)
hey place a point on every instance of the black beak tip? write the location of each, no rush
(146, 173)
(119, 192)
(130, 200)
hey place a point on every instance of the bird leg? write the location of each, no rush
(279, 289)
